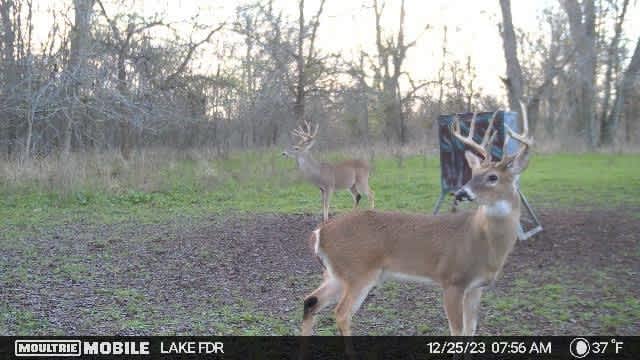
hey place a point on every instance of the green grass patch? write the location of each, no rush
(602, 303)
(21, 322)
(267, 182)
(73, 271)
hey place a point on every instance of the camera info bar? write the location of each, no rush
(383, 347)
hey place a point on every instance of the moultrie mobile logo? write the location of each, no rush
(53, 347)
(47, 348)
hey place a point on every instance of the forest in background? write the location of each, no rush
(103, 80)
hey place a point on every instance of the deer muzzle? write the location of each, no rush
(464, 193)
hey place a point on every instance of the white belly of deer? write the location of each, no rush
(481, 282)
(408, 278)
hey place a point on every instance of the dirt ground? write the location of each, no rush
(247, 274)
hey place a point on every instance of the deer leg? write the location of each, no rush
(353, 296)
(326, 294)
(453, 301)
(325, 205)
(470, 311)
(356, 196)
(344, 312)
(364, 188)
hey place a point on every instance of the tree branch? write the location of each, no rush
(192, 48)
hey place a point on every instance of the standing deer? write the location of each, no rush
(463, 252)
(349, 174)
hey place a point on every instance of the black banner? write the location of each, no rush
(360, 347)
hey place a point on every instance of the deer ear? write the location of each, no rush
(472, 159)
(519, 163)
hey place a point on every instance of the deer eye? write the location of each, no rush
(492, 178)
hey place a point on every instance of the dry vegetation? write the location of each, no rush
(109, 79)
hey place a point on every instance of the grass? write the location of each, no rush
(132, 313)
(551, 300)
(598, 303)
(266, 182)
(27, 323)
(153, 189)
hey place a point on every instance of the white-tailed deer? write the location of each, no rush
(463, 252)
(349, 174)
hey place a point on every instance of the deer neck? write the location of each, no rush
(499, 224)
(308, 165)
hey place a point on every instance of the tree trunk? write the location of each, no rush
(298, 108)
(125, 131)
(582, 19)
(10, 72)
(609, 117)
(390, 59)
(513, 82)
(79, 52)
(630, 78)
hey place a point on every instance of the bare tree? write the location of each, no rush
(519, 87)
(125, 41)
(80, 43)
(10, 70)
(246, 24)
(609, 115)
(513, 81)
(360, 103)
(441, 71)
(582, 25)
(306, 34)
(623, 100)
(391, 54)
(288, 59)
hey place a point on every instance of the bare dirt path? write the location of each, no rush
(247, 274)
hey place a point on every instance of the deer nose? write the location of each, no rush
(464, 194)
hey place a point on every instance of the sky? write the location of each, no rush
(347, 27)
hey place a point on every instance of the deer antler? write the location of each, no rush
(523, 138)
(306, 133)
(483, 148)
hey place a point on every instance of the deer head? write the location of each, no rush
(306, 139)
(493, 183)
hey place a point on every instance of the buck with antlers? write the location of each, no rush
(349, 174)
(463, 252)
